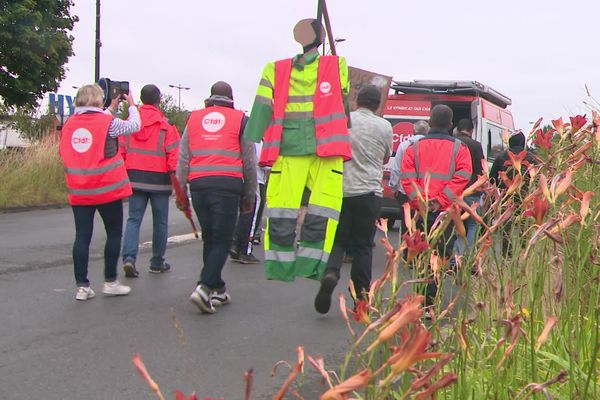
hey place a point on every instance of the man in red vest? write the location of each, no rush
(220, 168)
(301, 112)
(150, 156)
(436, 168)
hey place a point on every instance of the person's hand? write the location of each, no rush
(247, 207)
(129, 99)
(434, 205)
(114, 105)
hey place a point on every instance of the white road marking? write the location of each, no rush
(172, 239)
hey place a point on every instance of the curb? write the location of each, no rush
(18, 209)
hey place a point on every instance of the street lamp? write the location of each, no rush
(179, 87)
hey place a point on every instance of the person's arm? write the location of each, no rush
(183, 163)
(172, 148)
(394, 181)
(249, 163)
(389, 142)
(119, 127)
(408, 176)
(262, 109)
(460, 179)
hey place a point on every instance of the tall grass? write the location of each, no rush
(32, 176)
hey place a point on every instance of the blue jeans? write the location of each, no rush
(217, 213)
(112, 216)
(160, 226)
(461, 246)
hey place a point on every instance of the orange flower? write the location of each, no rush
(410, 352)
(141, 368)
(361, 312)
(445, 381)
(577, 122)
(415, 244)
(585, 205)
(481, 180)
(538, 210)
(558, 186)
(296, 369)
(410, 311)
(341, 391)
(455, 215)
(543, 140)
(516, 160)
(544, 335)
(559, 126)
(564, 224)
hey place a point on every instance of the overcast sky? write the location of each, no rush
(539, 53)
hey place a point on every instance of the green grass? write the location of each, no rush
(32, 176)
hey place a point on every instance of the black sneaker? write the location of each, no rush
(247, 259)
(257, 241)
(234, 254)
(323, 299)
(161, 269)
(201, 298)
(219, 297)
(129, 269)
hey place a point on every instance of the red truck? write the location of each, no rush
(412, 101)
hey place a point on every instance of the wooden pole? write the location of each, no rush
(328, 27)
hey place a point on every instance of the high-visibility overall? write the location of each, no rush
(323, 176)
(321, 173)
(214, 137)
(91, 178)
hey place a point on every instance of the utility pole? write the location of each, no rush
(98, 43)
(179, 87)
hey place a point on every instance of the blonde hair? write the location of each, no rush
(89, 96)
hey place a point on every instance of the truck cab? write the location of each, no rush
(410, 102)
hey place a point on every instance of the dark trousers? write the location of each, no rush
(443, 248)
(112, 216)
(248, 224)
(217, 213)
(355, 231)
(262, 189)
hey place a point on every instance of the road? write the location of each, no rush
(53, 347)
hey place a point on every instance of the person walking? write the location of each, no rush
(464, 130)
(96, 181)
(420, 128)
(220, 167)
(443, 161)
(371, 139)
(249, 223)
(300, 111)
(150, 156)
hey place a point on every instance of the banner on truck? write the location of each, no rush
(360, 77)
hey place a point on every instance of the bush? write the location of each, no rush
(32, 176)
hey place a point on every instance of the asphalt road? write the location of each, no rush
(53, 347)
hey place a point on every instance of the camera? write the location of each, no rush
(113, 89)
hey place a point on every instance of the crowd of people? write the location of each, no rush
(300, 156)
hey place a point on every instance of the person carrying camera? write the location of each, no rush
(96, 180)
(150, 156)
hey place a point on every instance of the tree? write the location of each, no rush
(34, 46)
(175, 116)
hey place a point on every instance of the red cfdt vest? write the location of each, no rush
(91, 178)
(146, 149)
(214, 139)
(331, 123)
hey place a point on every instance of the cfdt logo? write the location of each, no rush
(81, 140)
(325, 87)
(213, 121)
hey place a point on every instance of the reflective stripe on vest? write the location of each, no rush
(214, 140)
(158, 151)
(331, 128)
(280, 256)
(151, 187)
(314, 254)
(91, 178)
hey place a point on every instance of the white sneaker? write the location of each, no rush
(84, 293)
(115, 289)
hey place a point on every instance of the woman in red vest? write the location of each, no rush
(96, 180)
